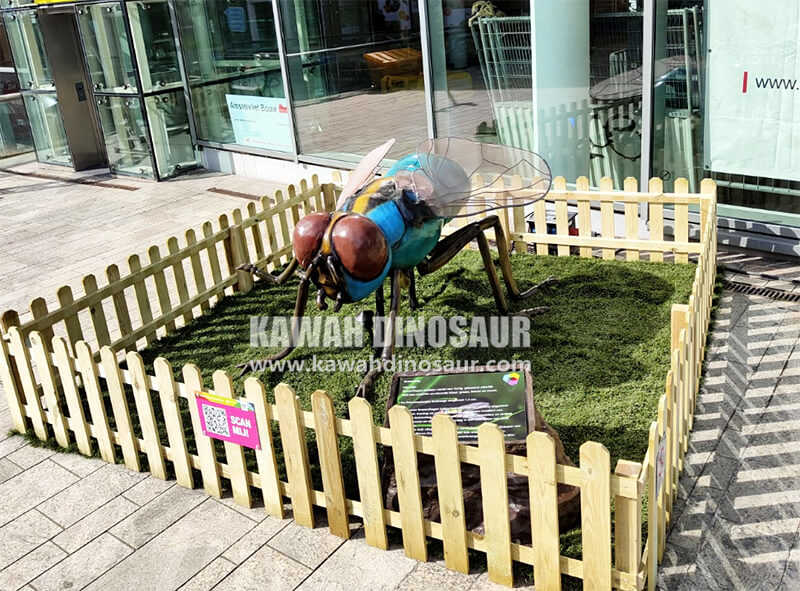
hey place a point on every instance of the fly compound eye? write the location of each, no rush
(307, 237)
(360, 246)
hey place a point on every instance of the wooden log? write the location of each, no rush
(295, 454)
(265, 457)
(369, 480)
(543, 486)
(330, 463)
(119, 405)
(68, 375)
(595, 463)
(494, 491)
(234, 454)
(209, 467)
(147, 420)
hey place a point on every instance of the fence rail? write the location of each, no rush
(82, 386)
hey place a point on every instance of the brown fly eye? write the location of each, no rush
(360, 246)
(308, 235)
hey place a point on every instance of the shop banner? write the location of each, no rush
(753, 106)
(260, 122)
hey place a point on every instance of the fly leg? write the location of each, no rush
(269, 277)
(367, 383)
(299, 311)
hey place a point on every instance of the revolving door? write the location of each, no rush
(131, 97)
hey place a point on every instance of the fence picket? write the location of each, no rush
(681, 219)
(238, 245)
(409, 495)
(12, 388)
(164, 303)
(41, 357)
(120, 305)
(283, 217)
(39, 310)
(265, 457)
(96, 312)
(213, 255)
(584, 216)
(71, 322)
(595, 463)
(68, 375)
(209, 467)
(494, 491)
(142, 296)
(631, 218)
(197, 269)
(369, 479)
(540, 224)
(168, 394)
(272, 237)
(607, 217)
(562, 222)
(660, 499)
(628, 522)
(144, 408)
(234, 454)
(543, 486)
(295, 454)
(652, 510)
(97, 410)
(179, 275)
(224, 226)
(451, 493)
(656, 218)
(330, 463)
(28, 382)
(119, 405)
(255, 232)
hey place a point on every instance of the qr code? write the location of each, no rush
(216, 420)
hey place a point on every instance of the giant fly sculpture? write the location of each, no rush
(389, 226)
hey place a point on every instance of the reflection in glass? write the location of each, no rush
(231, 54)
(125, 135)
(15, 134)
(169, 126)
(154, 44)
(47, 128)
(106, 47)
(30, 59)
(356, 75)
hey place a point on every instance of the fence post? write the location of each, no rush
(239, 258)
(679, 320)
(295, 453)
(595, 463)
(628, 522)
(330, 463)
(543, 486)
(494, 491)
(450, 492)
(265, 457)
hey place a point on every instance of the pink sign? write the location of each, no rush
(228, 419)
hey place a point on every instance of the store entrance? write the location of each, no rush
(81, 126)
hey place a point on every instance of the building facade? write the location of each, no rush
(666, 88)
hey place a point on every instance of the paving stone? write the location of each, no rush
(89, 494)
(10, 444)
(435, 575)
(22, 535)
(257, 514)
(212, 574)
(307, 546)
(355, 566)
(147, 490)
(8, 469)
(29, 455)
(26, 490)
(82, 567)
(254, 539)
(269, 569)
(30, 566)
(95, 523)
(482, 583)
(179, 553)
(78, 464)
(156, 516)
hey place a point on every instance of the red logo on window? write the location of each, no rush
(282, 109)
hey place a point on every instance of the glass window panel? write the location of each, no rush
(27, 45)
(169, 126)
(154, 44)
(356, 75)
(107, 48)
(47, 128)
(15, 134)
(231, 55)
(125, 135)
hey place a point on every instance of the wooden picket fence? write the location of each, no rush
(81, 359)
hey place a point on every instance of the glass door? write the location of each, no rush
(37, 87)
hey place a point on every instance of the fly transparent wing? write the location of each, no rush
(460, 177)
(364, 172)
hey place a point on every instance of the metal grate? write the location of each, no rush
(767, 292)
